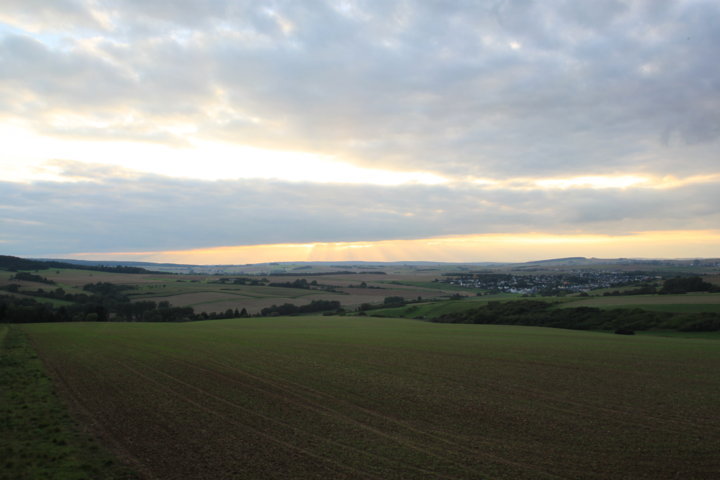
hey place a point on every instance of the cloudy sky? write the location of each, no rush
(249, 131)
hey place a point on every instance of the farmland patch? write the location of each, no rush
(348, 397)
(649, 300)
(37, 438)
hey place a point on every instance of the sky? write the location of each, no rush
(232, 132)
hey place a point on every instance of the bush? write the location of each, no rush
(624, 331)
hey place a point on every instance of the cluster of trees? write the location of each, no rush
(243, 281)
(686, 285)
(31, 277)
(305, 285)
(388, 302)
(13, 264)
(542, 314)
(298, 283)
(229, 313)
(364, 285)
(102, 293)
(393, 301)
(149, 311)
(102, 302)
(677, 285)
(291, 309)
(29, 310)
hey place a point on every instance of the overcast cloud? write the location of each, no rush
(155, 213)
(496, 90)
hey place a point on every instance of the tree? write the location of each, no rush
(394, 300)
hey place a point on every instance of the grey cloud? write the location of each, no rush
(598, 87)
(107, 210)
(52, 16)
(75, 81)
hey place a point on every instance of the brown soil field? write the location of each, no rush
(195, 298)
(78, 278)
(363, 398)
(352, 299)
(209, 297)
(254, 305)
(378, 295)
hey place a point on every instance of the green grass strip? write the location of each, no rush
(38, 439)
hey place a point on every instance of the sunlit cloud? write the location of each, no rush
(34, 157)
(620, 181)
(625, 181)
(670, 181)
(201, 160)
(597, 182)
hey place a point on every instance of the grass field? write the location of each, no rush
(687, 303)
(353, 397)
(38, 440)
(675, 334)
(435, 309)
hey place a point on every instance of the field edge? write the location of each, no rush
(41, 437)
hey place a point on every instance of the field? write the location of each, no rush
(218, 293)
(685, 303)
(205, 294)
(38, 440)
(696, 302)
(436, 309)
(353, 397)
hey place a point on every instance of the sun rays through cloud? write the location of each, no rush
(477, 248)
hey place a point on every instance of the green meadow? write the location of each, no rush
(385, 398)
(684, 303)
(435, 309)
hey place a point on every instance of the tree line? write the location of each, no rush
(10, 263)
(671, 286)
(542, 314)
(291, 309)
(29, 310)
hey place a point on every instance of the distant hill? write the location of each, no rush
(307, 268)
(113, 263)
(567, 260)
(11, 263)
(267, 268)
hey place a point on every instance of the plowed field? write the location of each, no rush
(334, 398)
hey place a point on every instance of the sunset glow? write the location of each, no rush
(473, 248)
